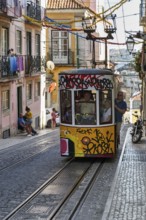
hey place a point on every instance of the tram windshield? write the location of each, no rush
(85, 107)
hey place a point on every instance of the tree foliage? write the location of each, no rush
(137, 62)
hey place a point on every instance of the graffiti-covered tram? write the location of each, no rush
(87, 127)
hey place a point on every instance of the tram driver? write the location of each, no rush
(86, 109)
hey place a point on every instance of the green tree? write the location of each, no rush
(137, 63)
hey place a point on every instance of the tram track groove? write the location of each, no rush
(27, 158)
(19, 161)
(85, 168)
(33, 195)
(77, 196)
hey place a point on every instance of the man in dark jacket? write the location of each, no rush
(120, 109)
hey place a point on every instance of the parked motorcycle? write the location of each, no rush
(137, 129)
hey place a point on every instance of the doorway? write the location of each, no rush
(19, 100)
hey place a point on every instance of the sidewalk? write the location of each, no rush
(21, 137)
(127, 197)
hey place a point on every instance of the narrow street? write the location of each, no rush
(25, 167)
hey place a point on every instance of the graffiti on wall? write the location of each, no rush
(81, 81)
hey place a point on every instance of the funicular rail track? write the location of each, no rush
(62, 194)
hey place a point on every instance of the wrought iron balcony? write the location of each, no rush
(11, 66)
(34, 10)
(10, 8)
(8, 67)
(32, 64)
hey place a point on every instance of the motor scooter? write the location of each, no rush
(137, 129)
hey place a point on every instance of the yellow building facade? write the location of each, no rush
(66, 44)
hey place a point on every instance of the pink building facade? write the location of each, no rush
(22, 81)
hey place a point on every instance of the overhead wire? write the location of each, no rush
(45, 24)
(120, 52)
(124, 26)
(115, 32)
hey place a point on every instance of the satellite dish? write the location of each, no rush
(50, 65)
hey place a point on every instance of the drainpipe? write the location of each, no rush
(77, 55)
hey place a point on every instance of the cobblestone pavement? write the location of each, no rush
(20, 138)
(127, 198)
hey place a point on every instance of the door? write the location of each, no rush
(19, 100)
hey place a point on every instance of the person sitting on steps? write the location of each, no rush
(22, 125)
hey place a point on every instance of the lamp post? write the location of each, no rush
(130, 44)
(89, 27)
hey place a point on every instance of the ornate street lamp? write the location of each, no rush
(130, 44)
(111, 29)
(89, 27)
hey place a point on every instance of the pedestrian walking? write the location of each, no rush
(53, 117)
(120, 109)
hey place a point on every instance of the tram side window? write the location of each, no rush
(105, 106)
(85, 107)
(65, 106)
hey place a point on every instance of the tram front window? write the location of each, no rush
(85, 108)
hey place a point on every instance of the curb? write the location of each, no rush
(112, 190)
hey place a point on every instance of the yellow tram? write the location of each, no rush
(87, 127)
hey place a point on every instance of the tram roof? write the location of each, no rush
(88, 71)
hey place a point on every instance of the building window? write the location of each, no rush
(37, 44)
(18, 42)
(4, 41)
(136, 104)
(5, 100)
(28, 43)
(37, 89)
(60, 43)
(29, 91)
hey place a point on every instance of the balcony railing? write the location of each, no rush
(32, 64)
(11, 66)
(34, 10)
(11, 8)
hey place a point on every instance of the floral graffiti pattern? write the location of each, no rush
(100, 144)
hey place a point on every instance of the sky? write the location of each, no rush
(129, 23)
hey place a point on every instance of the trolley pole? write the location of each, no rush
(93, 56)
(90, 37)
(105, 52)
(89, 27)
